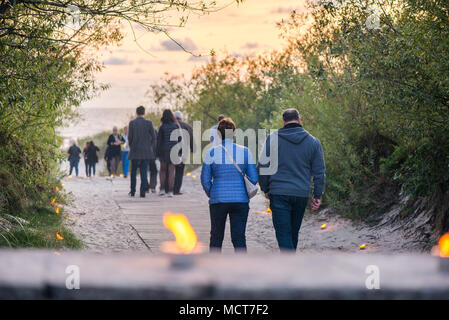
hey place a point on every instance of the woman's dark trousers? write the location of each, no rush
(238, 216)
(167, 172)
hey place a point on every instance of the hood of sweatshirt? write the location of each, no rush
(294, 135)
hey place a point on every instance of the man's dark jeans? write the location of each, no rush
(287, 214)
(179, 174)
(238, 216)
(153, 174)
(143, 165)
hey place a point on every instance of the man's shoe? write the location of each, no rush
(142, 195)
(170, 194)
(177, 193)
(131, 194)
(161, 193)
(153, 190)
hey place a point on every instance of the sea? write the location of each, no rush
(95, 120)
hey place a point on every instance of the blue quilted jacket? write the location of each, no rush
(220, 179)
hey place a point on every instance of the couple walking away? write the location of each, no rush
(89, 154)
(300, 159)
(146, 144)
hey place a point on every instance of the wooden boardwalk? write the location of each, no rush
(145, 214)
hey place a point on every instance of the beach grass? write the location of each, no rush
(37, 228)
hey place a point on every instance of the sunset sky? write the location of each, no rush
(244, 29)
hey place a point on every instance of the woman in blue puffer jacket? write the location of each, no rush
(225, 187)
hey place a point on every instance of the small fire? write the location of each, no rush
(269, 210)
(57, 210)
(70, 177)
(443, 244)
(323, 226)
(53, 201)
(57, 188)
(63, 185)
(59, 237)
(194, 177)
(112, 175)
(121, 175)
(186, 240)
(188, 174)
(363, 246)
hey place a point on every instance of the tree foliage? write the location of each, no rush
(370, 79)
(48, 61)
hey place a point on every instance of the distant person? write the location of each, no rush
(179, 168)
(214, 138)
(164, 146)
(141, 140)
(86, 146)
(92, 158)
(300, 158)
(153, 169)
(74, 157)
(125, 152)
(115, 141)
(224, 185)
(107, 159)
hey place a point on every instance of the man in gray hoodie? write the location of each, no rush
(299, 160)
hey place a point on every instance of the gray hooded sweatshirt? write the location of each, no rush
(300, 158)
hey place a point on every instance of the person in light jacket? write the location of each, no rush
(225, 187)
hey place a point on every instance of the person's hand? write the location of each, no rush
(315, 205)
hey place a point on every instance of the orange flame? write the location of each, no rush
(53, 200)
(269, 210)
(188, 174)
(323, 226)
(57, 210)
(186, 239)
(443, 244)
(59, 237)
(57, 188)
(363, 247)
(194, 177)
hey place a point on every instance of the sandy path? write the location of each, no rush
(98, 220)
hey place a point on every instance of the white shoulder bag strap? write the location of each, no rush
(251, 189)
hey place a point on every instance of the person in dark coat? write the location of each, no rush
(115, 141)
(179, 168)
(74, 157)
(163, 150)
(142, 141)
(92, 158)
(107, 159)
(297, 160)
(153, 171)
(86, 146)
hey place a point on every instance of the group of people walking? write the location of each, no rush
(228, 171)
(146, 144)
(300, 161)
(89, 155)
